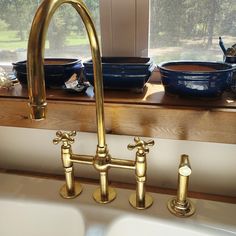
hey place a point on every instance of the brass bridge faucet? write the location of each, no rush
(71, 189)
(102, 160)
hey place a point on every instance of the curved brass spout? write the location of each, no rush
(35, 61)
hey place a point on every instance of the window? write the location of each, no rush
(179, 29)
(66, 34)
(190, 29)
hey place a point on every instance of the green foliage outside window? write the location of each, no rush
(65, 30)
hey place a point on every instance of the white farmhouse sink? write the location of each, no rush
(154, 227)
(32, 207)
(37, 219)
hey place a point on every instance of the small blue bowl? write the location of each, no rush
(57, 71)
(122, 73)
(194, 78)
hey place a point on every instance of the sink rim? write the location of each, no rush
(41, 190)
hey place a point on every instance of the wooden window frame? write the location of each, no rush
(124, 27)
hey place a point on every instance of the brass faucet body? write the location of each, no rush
(102, 160)
(180, 205)
(141, 200)
(71, 189)
(105, 194)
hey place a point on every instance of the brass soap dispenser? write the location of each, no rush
(180, 205)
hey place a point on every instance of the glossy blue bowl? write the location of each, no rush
(57, 71)
(194, 78)
(122, 73)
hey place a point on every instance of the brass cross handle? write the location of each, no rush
(65, 137)
(141, 145)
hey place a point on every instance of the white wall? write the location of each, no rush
(213, 164)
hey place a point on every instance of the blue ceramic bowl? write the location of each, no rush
(122, 72)
(193, 78)
(57, 71)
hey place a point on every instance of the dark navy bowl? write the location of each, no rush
(121, 72)
(194, 78)
(57, 71)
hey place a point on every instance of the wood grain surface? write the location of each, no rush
(152, 114)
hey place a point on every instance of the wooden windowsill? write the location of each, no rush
(152, 113)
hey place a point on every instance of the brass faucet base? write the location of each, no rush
(98, 197)
(181, 210)
(140, 206)
(77, 190)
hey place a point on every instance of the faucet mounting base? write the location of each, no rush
(77, 190)
(148, 200)
(181, 210)
(100, 199)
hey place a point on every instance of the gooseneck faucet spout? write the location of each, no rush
(35, 61)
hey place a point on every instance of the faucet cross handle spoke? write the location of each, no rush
(141, 145)
(65, 137)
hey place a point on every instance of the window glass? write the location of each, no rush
(190, 29)
(66, 34)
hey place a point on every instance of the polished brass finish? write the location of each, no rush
(82, 159)
(102, 160)
(181, 210)
(65, 137)
(109, 197)
(141, 200)
(65, 193)
(123, 164)
(71, 189)
(181, 206)
(142, 204)
(35, 59)
(104, 194)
